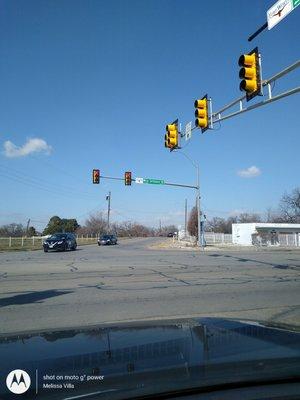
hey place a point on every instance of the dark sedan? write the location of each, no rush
(107, 240)
(60, 242)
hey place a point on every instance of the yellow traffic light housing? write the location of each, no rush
(250, 74)
(127, 178)
(96, 176)
(201, 113)
(171, 137)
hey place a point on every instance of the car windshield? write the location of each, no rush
(150, 195)
(58, 236)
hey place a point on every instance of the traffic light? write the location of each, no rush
(201, 113)
(96, 176)
(250, 74)
(171, 136)
(127, 178)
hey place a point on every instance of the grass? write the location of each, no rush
(16, 243)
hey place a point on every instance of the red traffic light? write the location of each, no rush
(127, 178)
(96, 175)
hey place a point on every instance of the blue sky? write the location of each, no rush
(97, 81)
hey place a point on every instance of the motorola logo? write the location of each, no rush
(18, 381)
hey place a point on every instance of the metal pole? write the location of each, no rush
(260, 75)
(262, 28)
(27, 227)
(217, 115)
(185, 217)
(197, 187)
(282, 73)
(211, 123)
(178, 185)
(198, 206)
(108, 209)
(165, 183)
(262, 103)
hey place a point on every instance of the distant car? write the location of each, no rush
(60, 242)
(107, 239)
(170, 234)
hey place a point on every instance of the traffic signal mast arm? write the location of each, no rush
(165, 183)
(217, 116)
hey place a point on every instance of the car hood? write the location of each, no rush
(133, 359)
(54, 240)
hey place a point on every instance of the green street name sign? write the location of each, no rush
(154, 181)
(296, 3)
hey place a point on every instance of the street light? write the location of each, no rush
(196, 166)
(108, 197)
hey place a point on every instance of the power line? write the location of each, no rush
(21, 174)
(39, 184)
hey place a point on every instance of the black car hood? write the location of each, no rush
(125, 360)
(54, 240)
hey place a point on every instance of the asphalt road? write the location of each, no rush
(130, 281)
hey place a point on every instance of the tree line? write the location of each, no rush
(95, 224)
(288, 211)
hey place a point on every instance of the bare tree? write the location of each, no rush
(273, 216)
(192, 225)
(220, 225)
(289, 206)
(95, 224)
(12, 230)
(132, 229)
(164, 230)
(247, 217)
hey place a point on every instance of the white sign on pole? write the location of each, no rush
(278, 11)
(139, 180)
(188, 131)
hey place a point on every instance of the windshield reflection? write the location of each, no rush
(157, 356)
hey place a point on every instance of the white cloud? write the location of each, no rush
(34, 145)
(250, 172)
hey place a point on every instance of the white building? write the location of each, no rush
(266, 234)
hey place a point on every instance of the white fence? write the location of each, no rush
(210, 238)
(218, 238)
(37, 241)
(284, 239)
(289, 239)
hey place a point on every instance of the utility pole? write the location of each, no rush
(27, 227)
(108, 197)
(185, 217)
(197, 187)
(198, 207)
